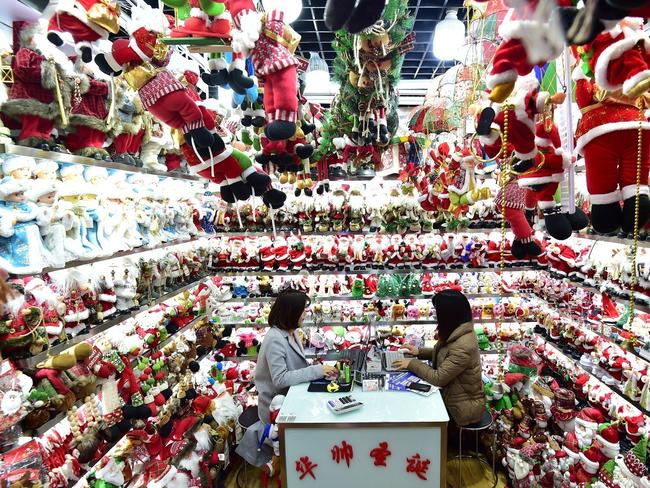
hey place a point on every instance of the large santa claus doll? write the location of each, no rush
(271, 44)
(542, 177)
(82, 22)
(613, 135)
(40, 96)
(143, 58)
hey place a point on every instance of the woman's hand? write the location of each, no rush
(402, 364)
(330, 371)
(410, 349)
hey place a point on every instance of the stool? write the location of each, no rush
(486, 422)
(247, 419)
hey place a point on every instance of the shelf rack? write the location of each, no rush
(31, 362)
(299, 231)
(239, 324)
(637, 306)
(121, 254)
(348, 298)
(72, 158)
(612, 239)
(307, 272)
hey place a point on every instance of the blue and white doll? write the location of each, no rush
(20, 237)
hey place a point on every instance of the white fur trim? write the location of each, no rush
(554, 178)
(113, 63)
(578, 73)
(542, 141)
(237, 64)
(587, 423)
(248, 172)
(76, 317)
(608, 445)
(546, 205)
(211, 162)
(590, 466)
(605, 198)
(541, 100)
(611, 53)
(108, 312)
(198, 14)
(491, 138)
(528, 155)
(606, 129)
(134, 45)
(107, 298)
(509, 76)
(76, 10)
(165, 480)
(629, 191)
(635, 80)
(217, 64)
(572, 454)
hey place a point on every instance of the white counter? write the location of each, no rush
(410, 425)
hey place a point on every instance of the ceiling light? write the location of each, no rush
(317, 78)
(291, 8)
(448, 37)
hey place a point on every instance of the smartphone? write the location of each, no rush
(418, 387)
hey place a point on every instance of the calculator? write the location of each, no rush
(344, 404)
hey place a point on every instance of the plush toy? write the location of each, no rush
(82, 22)
(207, 18)
(531, 37)
(40, 96)
(143, 58)
(608, 138)
(542, 176)
(271, 44)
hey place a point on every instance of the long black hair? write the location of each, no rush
(452, 309)
(287, 309)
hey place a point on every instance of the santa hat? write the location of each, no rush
(160, 474)
(40, 188)
(635, 459)
(608, 436)
(609, 310)
(511, 379)
(45, 167)
(111, 472)
(589, 418)
(18, 162)
(70, 169)
(10, 185)
(545, 138)
(571, 445)
(590, 460)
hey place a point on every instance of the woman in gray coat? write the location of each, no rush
(281, 363)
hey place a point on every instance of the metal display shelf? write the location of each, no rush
(240, 324)
(614, 389)
(637, 306)
(31, 362)
(71, 158)
(612, 239)
(121, 254)
(307, 272)
(245, 233)
(348, 298)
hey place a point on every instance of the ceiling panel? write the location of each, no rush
(419, 63)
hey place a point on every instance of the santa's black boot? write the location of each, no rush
(629, 206)
(55, 39)
(102, 64)
(557, 224)
(578, 219)
(279, 130)
(201, 137)
(337, 13)
(366, 14)
(606, 218)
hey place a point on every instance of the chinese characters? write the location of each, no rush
(305, 467)
(415, 464)
(344, 452)
(380, 454)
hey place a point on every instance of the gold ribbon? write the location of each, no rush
(59, 96)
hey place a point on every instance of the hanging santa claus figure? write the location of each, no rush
(143, 58)
(271, 44)
(82, 22)
(613, 135)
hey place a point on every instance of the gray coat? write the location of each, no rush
(281, 363)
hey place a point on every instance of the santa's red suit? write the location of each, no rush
(548, 169)
(38, 68)
(161, 93)
(607, 136)
(529, 40)
(521, 125)
(87, 129)
(619, 60)
(84, 21)
(274, 63)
